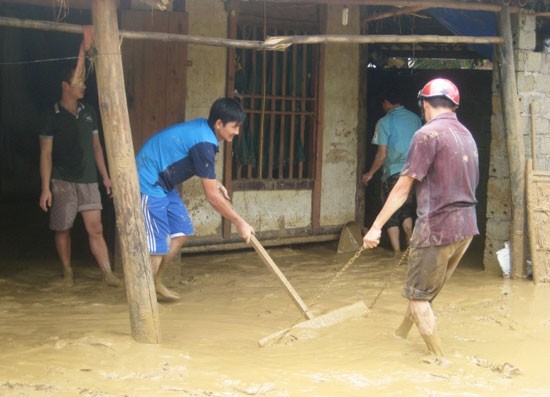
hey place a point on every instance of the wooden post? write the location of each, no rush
(514, 143)
(140, 288)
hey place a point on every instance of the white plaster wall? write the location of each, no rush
(274, 210)
(340, 121)
(288, 209)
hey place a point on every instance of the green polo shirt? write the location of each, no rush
(73, 157)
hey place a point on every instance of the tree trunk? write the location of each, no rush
(140, 288)
(514, 143)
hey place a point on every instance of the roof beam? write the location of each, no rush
(281, 42)
(393, 13)
(125, 34)
(459, 5)
(271, 43)
(76, 4)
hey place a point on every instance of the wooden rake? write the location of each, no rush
(312, 322)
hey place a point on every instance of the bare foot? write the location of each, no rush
(164, 294)
(111, 279)
(437, 360)
(68, 280)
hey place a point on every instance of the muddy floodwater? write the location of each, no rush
(76, 341)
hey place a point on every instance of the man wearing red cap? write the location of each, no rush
(442, 164)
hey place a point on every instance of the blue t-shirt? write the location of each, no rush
(395, 131)
(174, 155)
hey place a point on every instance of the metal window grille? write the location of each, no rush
(279, 93)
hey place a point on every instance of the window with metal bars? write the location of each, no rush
(278, 91)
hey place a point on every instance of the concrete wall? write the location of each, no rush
(533, 83)
(206, 81)
(341, 90)
(281, 209)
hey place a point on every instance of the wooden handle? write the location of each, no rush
(281, 277)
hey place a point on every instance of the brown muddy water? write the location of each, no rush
(76, 341)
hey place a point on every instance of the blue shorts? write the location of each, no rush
(165, 218)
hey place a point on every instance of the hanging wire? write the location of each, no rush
(62, 11)
(38, 61)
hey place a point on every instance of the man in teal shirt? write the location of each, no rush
(393, 134)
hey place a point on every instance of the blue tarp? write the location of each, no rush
(469, 23)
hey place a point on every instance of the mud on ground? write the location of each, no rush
(76, 341)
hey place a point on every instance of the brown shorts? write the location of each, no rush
(70, 198)
(430, 267)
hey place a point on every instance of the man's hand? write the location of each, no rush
(45, 200)
(245, 230)
(372, 238)
(366, 177)
(108, 186)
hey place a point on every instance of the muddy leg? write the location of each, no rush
(159, 268)
(393, 234)
(403, 330)
(63, 247)
(424, 319)
(98, 246)
(408, 228)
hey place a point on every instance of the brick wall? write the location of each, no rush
(533, 83)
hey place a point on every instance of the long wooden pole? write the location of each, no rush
(514, 143)
(132, 35)
(459, 5)
(272, 43)
(279, 42)
(140, 288)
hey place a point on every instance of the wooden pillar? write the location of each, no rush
(229, 91)
(140, 288)
(514, 143)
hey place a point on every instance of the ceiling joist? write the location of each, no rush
(271, 43)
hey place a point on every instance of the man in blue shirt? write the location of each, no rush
(169, 158)
(393, 135)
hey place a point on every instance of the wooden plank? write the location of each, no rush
(538, 212)
(514, 143)
(140, 289)
(318, 134)
(281, 278)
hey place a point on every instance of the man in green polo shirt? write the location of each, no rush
(70, 158)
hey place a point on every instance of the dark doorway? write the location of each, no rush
(474, 112)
